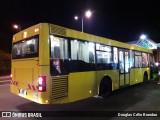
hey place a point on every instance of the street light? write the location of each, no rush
(143, 36)
(18, 27)
(88, 14)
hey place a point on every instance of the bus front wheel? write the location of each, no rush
(105, 88)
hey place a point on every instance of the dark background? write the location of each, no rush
(122, 20)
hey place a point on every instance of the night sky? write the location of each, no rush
(115, 19)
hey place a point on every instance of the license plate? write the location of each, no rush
(23, 92)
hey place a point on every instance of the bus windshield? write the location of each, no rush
(26, 48)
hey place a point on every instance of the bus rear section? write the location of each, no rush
(26, 81)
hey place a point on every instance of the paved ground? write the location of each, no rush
(138, 98)
(5, 77)
(5, 80)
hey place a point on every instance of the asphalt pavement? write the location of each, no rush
(5, 80)
(139, 98)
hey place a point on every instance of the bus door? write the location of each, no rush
(124, 67)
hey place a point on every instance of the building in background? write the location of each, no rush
(149, 44)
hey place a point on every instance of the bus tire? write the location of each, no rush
(145, 77)
(105, 88)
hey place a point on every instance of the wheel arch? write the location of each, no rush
(108, 78)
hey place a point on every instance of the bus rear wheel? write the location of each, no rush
(105, 88)
(145, 77)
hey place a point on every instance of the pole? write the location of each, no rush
(82, 24)
(19, 27)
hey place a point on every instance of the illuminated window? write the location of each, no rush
(126, 62)
(121, 62)
(115, 55)
(145, 60)
(25, 48)
(71, 55)
(138, 59)
(84, 51)
(131, 61)
(59, 47)
(104, 57)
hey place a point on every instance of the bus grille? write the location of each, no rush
(54, 29)
(59, 87)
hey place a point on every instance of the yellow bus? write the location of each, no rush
(53, 64)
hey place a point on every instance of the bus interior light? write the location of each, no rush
(24, 34)
(36, 30)
(14, 38)
(29, 42)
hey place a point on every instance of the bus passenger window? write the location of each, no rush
(59, 55)
(144, 60)
(25, 48)
(56, 52)
(59, 47)
(83, 53)
(121, 62)
(138, 59)
(104, 57)
(91, 57)
(131, 60)
(115, 58)
(15, 51)
(31, 47)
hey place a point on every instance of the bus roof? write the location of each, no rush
(66, 32)
(85, 36)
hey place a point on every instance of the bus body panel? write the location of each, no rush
(132, 76)
(26, 76)
(113, 74)
(136, 75)
(44, 53)
(26, 71)
(44, 62)
(82, 85)
(148, 72)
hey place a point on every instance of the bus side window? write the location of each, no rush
(15, 51)
(91, 57)
(31, 46)
(56, 52)
(115, 58)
